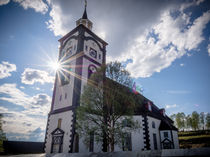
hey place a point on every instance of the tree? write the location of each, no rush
(188, 121)
(195, 120)
(202, 119)
(180, 120)
(208, 121)
(2, 134)
(173, 117)
(105, 105)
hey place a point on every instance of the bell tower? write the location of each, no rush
(81, 53)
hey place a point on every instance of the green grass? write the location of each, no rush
(194, 133)
(194, 139)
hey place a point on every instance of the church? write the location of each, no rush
(82, 52)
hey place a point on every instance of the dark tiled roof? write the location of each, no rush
(140, 109)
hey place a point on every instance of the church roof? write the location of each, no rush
(141, 109)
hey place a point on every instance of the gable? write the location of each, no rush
(57, 131)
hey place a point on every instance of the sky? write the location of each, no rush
(165, 45)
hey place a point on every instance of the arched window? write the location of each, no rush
(91, 69)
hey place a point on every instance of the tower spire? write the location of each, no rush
(84, 20)
(85, 12)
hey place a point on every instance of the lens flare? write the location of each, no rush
(54, 66)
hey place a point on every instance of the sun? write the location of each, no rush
(55, 66)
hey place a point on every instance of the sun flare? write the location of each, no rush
(55, 66)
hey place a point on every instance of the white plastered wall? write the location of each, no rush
(65, 126)
(154, 131)
(61, 90)
(136, 136)
(175, 138)
(94, 45)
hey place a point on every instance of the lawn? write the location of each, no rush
(194, 139)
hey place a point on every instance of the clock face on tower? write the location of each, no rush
(93, 53)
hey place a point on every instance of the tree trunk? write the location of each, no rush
(112, 136)
(105, 142)
(112, 142)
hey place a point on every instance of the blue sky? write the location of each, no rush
(166, 45)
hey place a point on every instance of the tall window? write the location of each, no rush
(59, 122)
(126, 142)
(153, 124)
(57, 141)
(57, 144)
(64, 78)
(155, 141)
(91, 148)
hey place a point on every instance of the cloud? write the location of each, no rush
(38, 104)
(181, 64)
(37, 5)
(171, 106)
(6, 68)
(20, 126)
(4, 2)
(166, 38)
(208, 48)
(164, 43)
(13, 95)
(23, 124)
(31, 76)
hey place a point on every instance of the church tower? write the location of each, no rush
(81, 53)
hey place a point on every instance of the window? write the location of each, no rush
(165, 134)
(91, 69)
(86, 47)
(99, 56)
(59, 122)
(149, 106)
(57, 144)
(75, 47)
(155, 141)
(65, 95)
(64, 77)
(57, 141)
(93, 53)
(153, 124)
(60, 97)
(69, 51)
(126, 123)
(91, 148)
(126, 142)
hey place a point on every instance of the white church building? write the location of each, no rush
(82, 52)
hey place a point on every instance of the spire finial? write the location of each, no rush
(85, 13)
(85, 3)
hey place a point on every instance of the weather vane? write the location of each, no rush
(85, 3)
